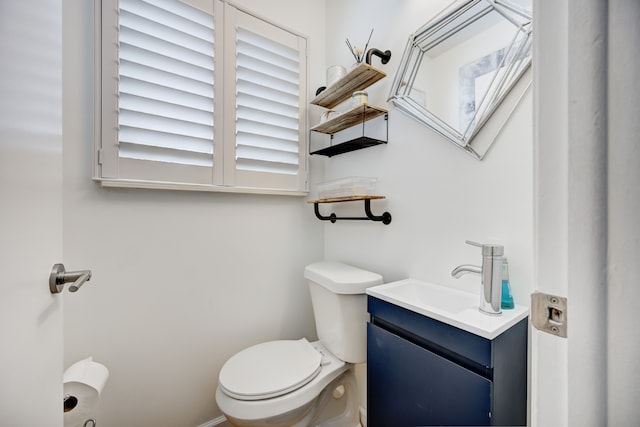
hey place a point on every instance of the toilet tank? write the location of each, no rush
(340, 307)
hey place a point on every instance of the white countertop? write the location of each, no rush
(448, 305)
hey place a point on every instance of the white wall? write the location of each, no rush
(623, 341)
(181, 280)
(31, 215)
(437, 194)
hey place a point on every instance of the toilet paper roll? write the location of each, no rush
(83, 382)
(335, 73)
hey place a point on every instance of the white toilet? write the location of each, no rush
(298, 383)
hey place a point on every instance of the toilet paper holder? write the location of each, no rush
(70, 402)
(59, 276)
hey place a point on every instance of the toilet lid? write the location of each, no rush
(270, 369)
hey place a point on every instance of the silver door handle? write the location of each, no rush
(59, 276)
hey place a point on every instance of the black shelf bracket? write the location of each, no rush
(385, 218)
(384, 56)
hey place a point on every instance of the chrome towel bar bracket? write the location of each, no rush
(59, 276)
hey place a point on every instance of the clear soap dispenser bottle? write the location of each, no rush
(507, 299)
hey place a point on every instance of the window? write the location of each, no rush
(211, 99)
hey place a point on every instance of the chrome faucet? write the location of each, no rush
(491, 276)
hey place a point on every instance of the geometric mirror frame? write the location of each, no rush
(459, 70)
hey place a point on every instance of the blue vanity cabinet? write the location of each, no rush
(423, 372)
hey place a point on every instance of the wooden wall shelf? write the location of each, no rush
(358, 78)
(355, 116)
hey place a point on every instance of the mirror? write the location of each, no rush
(460, 66)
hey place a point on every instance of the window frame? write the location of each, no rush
(225, 177)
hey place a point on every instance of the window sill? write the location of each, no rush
(130, 183)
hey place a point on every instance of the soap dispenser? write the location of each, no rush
(507, 299)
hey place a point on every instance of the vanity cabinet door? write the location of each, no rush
(411, 386)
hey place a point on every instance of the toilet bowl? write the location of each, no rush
(278, 398)
(301, 383)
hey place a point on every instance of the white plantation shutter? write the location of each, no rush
(163, 79)
(165, 85)
(267, 105)
(169, 119)
(270, 136)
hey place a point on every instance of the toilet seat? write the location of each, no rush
(270, 369)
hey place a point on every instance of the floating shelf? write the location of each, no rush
(351, 145)
(385, 218)
(352, 117)
(358, 115)
(358, 78)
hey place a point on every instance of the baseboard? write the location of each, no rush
(220, 421)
